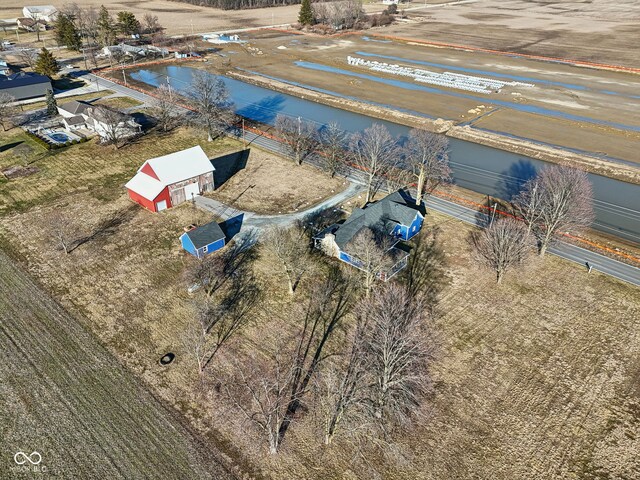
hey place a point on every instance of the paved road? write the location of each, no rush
(567, 251)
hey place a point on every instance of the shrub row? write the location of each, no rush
(53, 146)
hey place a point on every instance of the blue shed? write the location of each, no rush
(203, 240)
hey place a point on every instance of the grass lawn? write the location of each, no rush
(100, 170)
(270, 184)
(119, 103)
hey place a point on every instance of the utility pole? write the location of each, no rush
(124, 77)
(244, 142)
(493, 215)
(299, 126)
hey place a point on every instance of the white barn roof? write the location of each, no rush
(170, 169)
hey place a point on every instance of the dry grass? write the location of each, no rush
(100, 170)
(120, 103)
(537, 377)
(270, 184)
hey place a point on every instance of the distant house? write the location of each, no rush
(31, 25)
(200, 241)
(167, 181)
(396, 215)
(98, 118)
(48, 13)
(24, 85)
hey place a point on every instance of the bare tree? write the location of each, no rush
(558, 199)
(214, 271)
(374, 152)
(397, 353)
(164, 108)
(117, 127)
(262, 395)
(326, 308)
(503, 244)
(333, 146)
(27, 55)
(370, 251)
(291, 248)
(62, 230)
(210, 100)
(151, 23)
(343, 389)
(427, 156)
(300, 136)
(219, 322)
(7, 109)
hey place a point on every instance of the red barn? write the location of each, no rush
(167, 181)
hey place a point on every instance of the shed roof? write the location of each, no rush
(205, 235)
(396, 208)
(145, 185)
(75, 107)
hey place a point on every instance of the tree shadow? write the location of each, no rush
(9, 146)
(228, 165)
(266, 110)
(107, 227)
(514, 178)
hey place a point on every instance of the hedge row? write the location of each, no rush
(53, 146)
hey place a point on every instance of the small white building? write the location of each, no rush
(48, 13)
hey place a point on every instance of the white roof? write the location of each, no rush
(145, 185)
(41, 8)
(172, 168)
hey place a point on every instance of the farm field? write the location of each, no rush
(66, 397)
(592, 111)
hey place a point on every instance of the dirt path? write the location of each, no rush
(64, 396)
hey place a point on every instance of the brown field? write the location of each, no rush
(582, 95)
(270, 185)
(66, 397)
(536, 378)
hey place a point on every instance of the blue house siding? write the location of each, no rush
(406, 232)
(187, 244)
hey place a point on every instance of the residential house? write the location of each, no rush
(167, 181)
(48, 13)
(396, 215)
(200, 241)
(31, 25)
(24, 85)
(99, 119)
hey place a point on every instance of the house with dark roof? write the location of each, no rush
(23, 85)
(396, 216)
(200, 241)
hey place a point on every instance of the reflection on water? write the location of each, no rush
(477, 167)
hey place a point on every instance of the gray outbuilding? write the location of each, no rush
(24, 85)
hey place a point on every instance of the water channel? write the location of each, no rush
(479, 168)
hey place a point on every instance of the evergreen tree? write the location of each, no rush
(67, 33)
(128, 23)
(52, 104)
(305, 17)
(46, 63)
(106, 28)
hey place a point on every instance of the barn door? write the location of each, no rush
(161, 205)
(191, 190)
